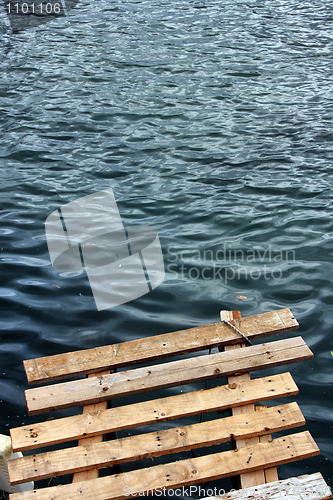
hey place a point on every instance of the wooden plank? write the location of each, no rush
(148, 412)
(183, 473)
(307, 487)
(92, 408)
(256, 477)
(108, 453)
(150, 348)
(271, 474)
(129, 382)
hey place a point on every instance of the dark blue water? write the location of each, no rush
(212, 123)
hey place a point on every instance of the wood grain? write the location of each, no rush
(137, 351)
(183, 473)
(147, 412)
(310, 487)
(256, 477)
(108, 453)
(126, 383)
(93, 472)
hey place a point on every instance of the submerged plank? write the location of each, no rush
(129, 382)
(136, 351)
(307, 487)
(108, 453)
(182, 473)
(148, 412)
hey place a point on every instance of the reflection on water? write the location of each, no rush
(211, 122)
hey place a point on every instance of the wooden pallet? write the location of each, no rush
(253, 454)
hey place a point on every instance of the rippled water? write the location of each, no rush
(211, 121)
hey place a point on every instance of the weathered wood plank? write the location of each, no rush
(129, 382)
(108, 453)
(92, 473)
(258, 476)
(183, 473)
(147, 412)
(271, 474)
(307, 487)
(150, 348)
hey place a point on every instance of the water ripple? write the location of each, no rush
(212, 123)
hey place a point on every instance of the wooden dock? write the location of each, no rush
(253, 455)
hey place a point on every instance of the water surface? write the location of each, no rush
(212, 123)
